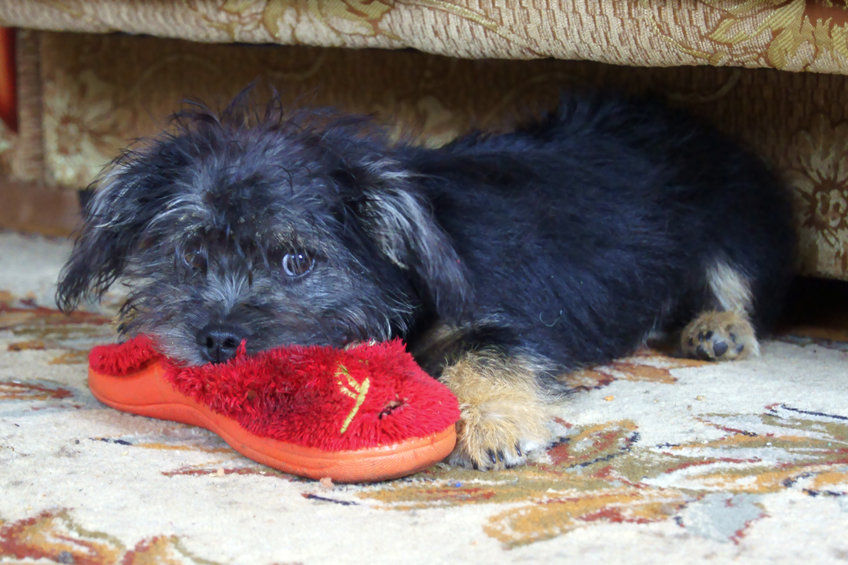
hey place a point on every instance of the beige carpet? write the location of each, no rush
(660, 460)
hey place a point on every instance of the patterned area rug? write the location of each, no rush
(657, 458)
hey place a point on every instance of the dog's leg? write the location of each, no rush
(724, 331)
(504, 409)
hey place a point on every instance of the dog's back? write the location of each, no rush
(608, 220)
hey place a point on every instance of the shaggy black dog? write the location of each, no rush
(503, 260)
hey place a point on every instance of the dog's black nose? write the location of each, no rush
(219, 342)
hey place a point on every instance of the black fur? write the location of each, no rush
(568, 240)
(583, 232)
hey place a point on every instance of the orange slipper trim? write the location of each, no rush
(147, 392)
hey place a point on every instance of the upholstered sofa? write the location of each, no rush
(770, 73)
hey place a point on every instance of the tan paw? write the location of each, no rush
(490, 437)
(504, 415)
(719, 336)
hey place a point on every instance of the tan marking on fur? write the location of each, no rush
(730, 287)
(502, 408)
(712, 327)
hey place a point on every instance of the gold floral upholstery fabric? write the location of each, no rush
(796, 35)
(99, 92)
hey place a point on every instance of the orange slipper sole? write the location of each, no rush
(147, 392)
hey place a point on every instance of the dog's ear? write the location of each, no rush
(113, 219)
(401, 223)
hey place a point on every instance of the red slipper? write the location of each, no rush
(364, 414)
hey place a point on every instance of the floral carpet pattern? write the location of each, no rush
(656, 457)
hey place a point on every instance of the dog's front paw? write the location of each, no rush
(504, 414)
(490, 444)
(719, 336)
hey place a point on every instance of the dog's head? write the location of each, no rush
(303, 229)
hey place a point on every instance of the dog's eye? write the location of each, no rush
(297, 263)
(195, 258)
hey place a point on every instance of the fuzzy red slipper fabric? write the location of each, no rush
(363, 414)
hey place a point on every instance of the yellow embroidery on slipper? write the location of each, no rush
(353, 389)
